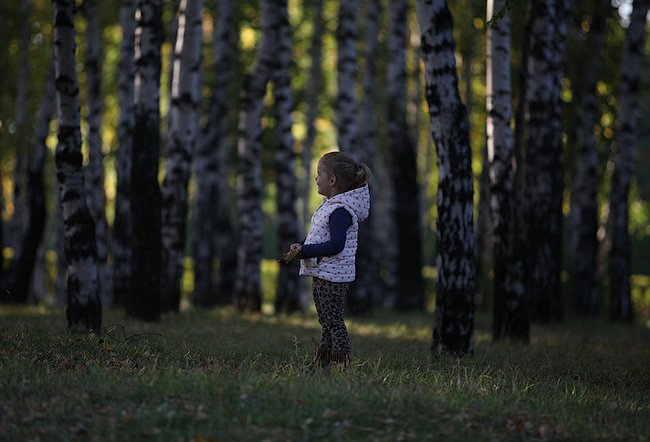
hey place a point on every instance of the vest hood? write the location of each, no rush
(355, 201)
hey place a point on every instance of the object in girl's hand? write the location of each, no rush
(286, 257)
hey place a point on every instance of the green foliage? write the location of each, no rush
(220, 375)
(498, 15)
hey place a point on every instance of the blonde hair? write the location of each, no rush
(343, 166)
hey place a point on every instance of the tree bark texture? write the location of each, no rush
(144, 280)
(583, 220)
(287, 293)
(544, 185)
(453, 330)
(96, 195)
(619, 255)
(184, 120)
(83, 302)
(122, 224)
(410, 290)
(365, 293)
(313, 89)
(212, 210)
(511, 318)
(249, 186)
(346, 103)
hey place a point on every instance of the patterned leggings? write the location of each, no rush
(329, 298)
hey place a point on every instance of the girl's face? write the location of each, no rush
(325, 182)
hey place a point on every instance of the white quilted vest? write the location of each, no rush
(340, 267)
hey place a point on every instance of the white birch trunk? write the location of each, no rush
(454, 318)
(287, 293)
(346, 103)
(144, 279)
(186, 90)
(544, 185)
(510, 308)
(212, 209)
(249, 182)
(83, 303)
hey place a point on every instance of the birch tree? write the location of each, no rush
(543, 191)
(619, 255)
(453, 330)
(404, 165)
(511, 318)
(313, 89)
(83, 302)
(287, 293)
(180, 147)
(365, 293)
(212, 210)
(249, 180)
(583, 220)
(346, 103)
(144, 279)
(122, 224)
(94, 171)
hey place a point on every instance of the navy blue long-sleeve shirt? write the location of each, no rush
(340, 221)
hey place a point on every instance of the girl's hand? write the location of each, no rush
(297, 246)
(293, 253)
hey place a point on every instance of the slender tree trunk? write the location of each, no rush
(619, 255)
(249, 187)
(84, 305)
(61, 262)
(510, 309)
(186, 91)
(583, 220)
(19, 217)
(22, 268)
(365, 293)
(314, 87)
(454, 318)
(122, 224)
(144, 281)
(346, 103)
(287, 293)
(404, 166)
(95, 169)
(212, 211)
(544, 172)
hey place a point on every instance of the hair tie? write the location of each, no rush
(358, 165)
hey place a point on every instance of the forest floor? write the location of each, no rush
(219, 375)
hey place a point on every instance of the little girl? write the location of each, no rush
(328, 252)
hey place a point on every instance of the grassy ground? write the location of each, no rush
(223, 376)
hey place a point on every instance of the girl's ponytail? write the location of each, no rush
(362, 175)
